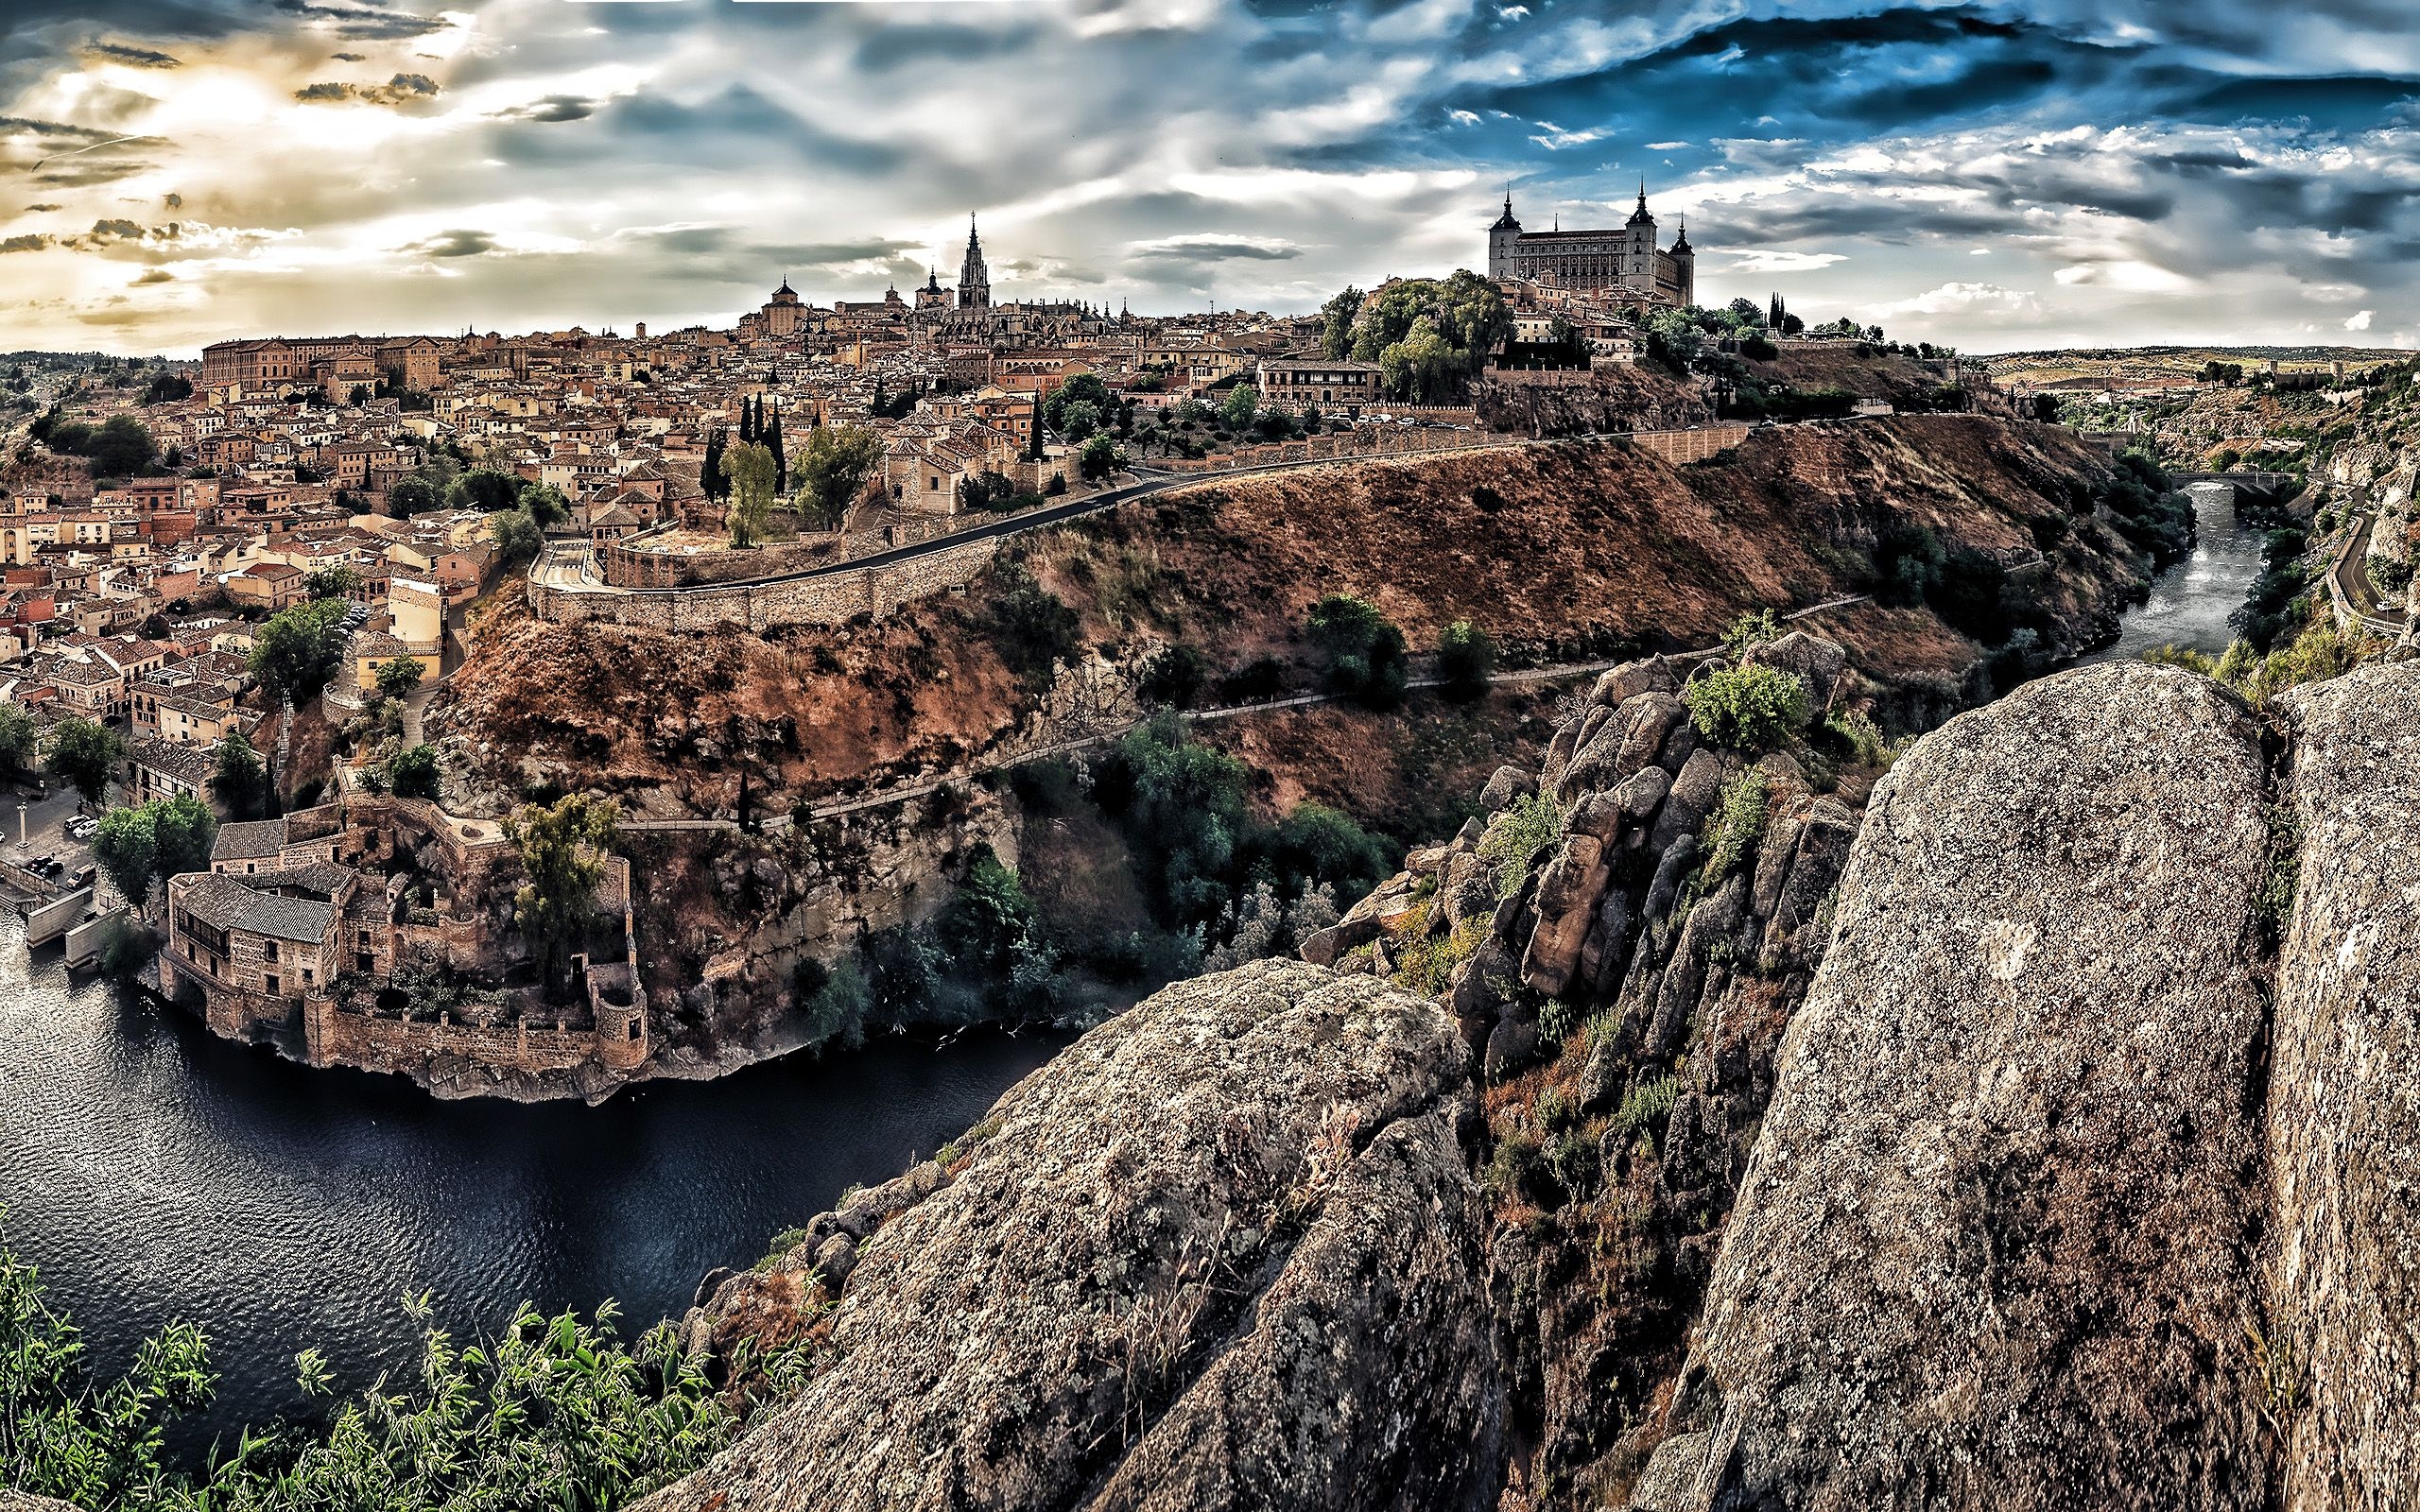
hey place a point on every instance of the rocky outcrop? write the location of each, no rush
(1224, 1252)
(2344, 1137)
(1948, 1156)
(1994, 1245)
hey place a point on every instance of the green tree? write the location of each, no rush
(1336, 322)
(121, 448)
(334, 582)
(1465, 661)
(185, 831)
(87, 754)
(553, 1411)
(411, 496)
(485, 490)
(127, 846)
(1080, 419)
(1467, 320)
(1367, 661)
(1182, 808)
(516, 535)
(833, 469)
(751, 468)
(413, 772)
(398, 675)
(18, 739)
(1423, 367)
(295, 651)
(1242, 404)
(241, 779)
(1083, 388)
(545, 503)
(1101, 456)
(563, 848)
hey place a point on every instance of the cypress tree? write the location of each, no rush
(1033, 437)
(781, 459)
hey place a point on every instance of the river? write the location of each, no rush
(2189, 602)
(156, 1173)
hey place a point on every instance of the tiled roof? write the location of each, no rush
(249, 841)
(229, 905)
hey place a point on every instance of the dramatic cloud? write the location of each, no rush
(2112, 169)
(454, 244)
(403, 89)
(132, 56)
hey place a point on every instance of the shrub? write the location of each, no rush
(1258, 681)
(1367, 662)
(1532, 822)
(1465, 661)
(1737, 825)
(1749, 631)
(555, 1411)
(414, 773)
(1747, 708)
(1175, 675)
(1033, 627)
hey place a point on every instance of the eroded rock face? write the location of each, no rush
(1223, 1252)
(1994, 1247)
(2344, 1104)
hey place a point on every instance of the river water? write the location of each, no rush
(156, 1173)
(2190, 601)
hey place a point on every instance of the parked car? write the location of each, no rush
(81, 827)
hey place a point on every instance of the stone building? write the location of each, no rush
(973, 279)
(334, 920)
(1334, 386)
(1625, 263)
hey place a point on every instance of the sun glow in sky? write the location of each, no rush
(1995, 175)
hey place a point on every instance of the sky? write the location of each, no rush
(1996, 176)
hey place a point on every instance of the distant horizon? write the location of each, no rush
(186, 171)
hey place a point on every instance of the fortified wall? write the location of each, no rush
(759, 604)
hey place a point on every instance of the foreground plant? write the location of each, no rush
(556, 1413)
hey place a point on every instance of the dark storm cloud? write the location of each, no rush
(550, 109)
(132, 56)
(28, 243)
(1213, 247)
(354, 21)
(403, 89)
(454, 244)
(2348, 103)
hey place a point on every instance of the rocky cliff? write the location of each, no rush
(2040, 1141)
(1225, 1252)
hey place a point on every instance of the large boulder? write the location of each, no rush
(1224, 1252)
(2343, 1108)
(1993, 1249)
(1817, 664)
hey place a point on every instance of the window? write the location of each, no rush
(268, 951)
(268, 985)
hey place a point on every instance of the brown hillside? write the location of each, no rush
(1558, 550)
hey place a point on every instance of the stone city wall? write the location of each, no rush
(832, 598)
(333, 1037)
